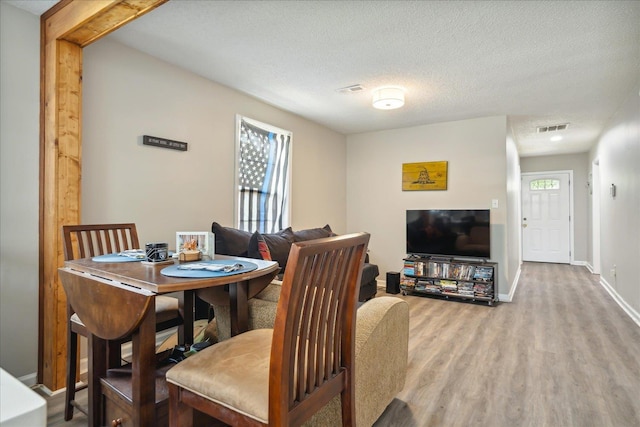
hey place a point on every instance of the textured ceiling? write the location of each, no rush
(538, 62)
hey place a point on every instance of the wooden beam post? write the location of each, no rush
(65, 29)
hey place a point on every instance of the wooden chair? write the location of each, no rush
(282, 376)
(83, 241)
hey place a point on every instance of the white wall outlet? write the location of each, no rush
(494, 204)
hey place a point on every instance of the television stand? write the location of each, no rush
(439, 259)
(449, 278)
(429, 257)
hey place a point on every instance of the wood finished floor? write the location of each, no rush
(562, 354)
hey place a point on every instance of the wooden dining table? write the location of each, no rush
(117, 300)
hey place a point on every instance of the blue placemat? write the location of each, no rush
(116, 258)
(185, 270)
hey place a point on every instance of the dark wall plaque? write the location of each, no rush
(164, 143)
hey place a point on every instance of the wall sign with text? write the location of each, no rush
(164, 143)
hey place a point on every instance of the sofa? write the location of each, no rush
(235, 242)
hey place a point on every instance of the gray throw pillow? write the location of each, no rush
(230, 241)
(313, 233)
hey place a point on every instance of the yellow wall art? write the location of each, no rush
(424, 176)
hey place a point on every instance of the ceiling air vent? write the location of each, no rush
(552, 128)
(351, 89)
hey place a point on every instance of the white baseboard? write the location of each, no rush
(591, 268)
(30, 380)
(512, 290)
(635, 316)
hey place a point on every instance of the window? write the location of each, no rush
(263, 176)
(545, 184)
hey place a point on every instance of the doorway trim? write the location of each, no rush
(594, 189)
(65, 30)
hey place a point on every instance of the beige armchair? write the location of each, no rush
(382, 336)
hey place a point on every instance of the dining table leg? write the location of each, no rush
(239, 307)
(143, 381)
(185, 333)
(97, 368)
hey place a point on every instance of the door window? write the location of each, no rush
(544, 184)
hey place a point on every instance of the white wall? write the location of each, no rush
(127, 94)
(19, 184)
(579, 164)
(476, 152)
(618, 152)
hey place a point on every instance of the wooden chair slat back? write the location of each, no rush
(313, 347)
(83, 241)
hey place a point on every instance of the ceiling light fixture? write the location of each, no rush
(388, 98)
(555, 138)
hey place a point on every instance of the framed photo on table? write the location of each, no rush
(202, 240)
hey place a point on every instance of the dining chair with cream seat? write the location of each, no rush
(83, 241)
(282, 376)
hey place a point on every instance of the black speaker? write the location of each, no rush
(393, 282)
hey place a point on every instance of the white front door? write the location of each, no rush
(546, 221)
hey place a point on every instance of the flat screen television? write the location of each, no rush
(449, 233)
